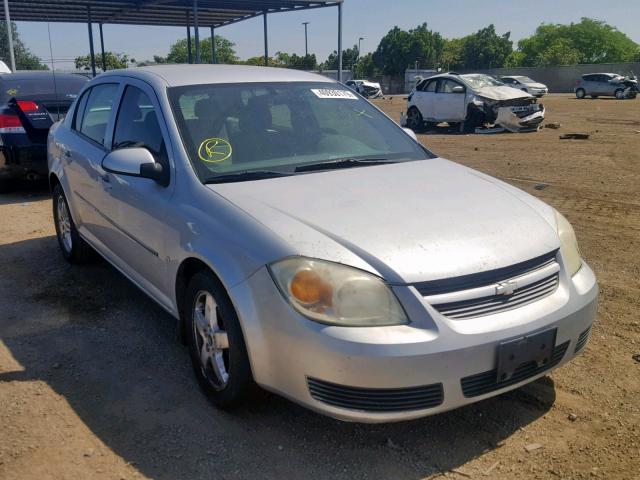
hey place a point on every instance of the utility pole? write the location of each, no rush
(306, 44)
(359, 40)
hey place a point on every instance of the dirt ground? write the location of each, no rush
(94, 384)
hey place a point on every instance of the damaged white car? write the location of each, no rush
(365, 88)
(472, 102)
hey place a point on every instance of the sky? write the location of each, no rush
(370, 19)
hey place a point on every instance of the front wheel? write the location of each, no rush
(619, 94)
(73, 247)
(414, 119)
(216, 344)
(580, 93)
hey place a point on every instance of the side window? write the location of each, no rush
(79, 113)
(431, 86)
(137, 124)
(446, 86)
(97, 111)
(508, 81)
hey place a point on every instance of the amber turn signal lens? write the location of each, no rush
(309, 289)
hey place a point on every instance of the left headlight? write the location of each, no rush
(335, 294)
(568, 244)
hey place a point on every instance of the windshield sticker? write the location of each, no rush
(214, 150)
(12, 91)
(334, 93)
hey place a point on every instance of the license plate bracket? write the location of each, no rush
(536, 347)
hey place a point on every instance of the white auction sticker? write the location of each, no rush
(333, 93)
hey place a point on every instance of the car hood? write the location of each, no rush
(407, 222)
(536, 85)
(502, 93)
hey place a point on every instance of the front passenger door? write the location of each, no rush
(137, 206)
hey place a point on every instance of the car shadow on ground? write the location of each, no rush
(115, 357)
(23, 191)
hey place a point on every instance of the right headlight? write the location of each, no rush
(568, 244)
(336, 294)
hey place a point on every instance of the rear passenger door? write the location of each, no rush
(85, 149)
(425, 99)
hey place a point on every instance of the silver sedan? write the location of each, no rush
(306, 243)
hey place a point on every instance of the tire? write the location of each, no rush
(216, 343)
(475, 118)
(73, 247)
(580, 93)
(619, 94)
(414, 119)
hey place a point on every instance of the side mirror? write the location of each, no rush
(411, 133)
(457, 89)
(135, 162)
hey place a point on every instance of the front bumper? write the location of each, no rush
(521, 119)
(288, 352)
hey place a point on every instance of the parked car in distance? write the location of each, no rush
(304, 241)
(30, 102)
(525, 84)
(365, 88)
(471, 101)
(606, 85)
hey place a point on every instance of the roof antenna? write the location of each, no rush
(53, 71)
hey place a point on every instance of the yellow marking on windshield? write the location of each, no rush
(12, 91)
(214, 150)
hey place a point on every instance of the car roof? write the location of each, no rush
(186, 74)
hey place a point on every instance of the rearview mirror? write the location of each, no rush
(135, 162)
(457, 89)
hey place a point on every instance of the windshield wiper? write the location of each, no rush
(245, 175)
(343, 163)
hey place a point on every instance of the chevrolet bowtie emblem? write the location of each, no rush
(506, 288)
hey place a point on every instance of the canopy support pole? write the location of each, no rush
(266, 41)
(213, 44)
(92, 53)
(189, 57)
(196, 33)
(340, 42)
(12, 54)
(104, 58)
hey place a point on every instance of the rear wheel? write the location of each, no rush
(73, 247)
(580, 93)
(216, 344)
(619, 94)
(414, 119)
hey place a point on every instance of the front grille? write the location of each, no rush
(481, 279)
(478, 307)
(582, 340)
(486, 382)
(376, 399)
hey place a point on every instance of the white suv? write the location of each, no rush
(471, 101)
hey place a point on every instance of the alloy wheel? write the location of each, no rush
(64, 224)
(211, 340)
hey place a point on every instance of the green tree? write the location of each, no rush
(451, 58)
(298, 62)
(25, 60)
(590, 41)
(349, 59)
(113, 60)
(225, 52)
(486, 49)
(365, 67)
(400, 49)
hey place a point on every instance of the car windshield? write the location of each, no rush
(278, 127)
(524, 80)
(479, 80)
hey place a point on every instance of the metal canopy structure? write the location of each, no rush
(184, 13)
